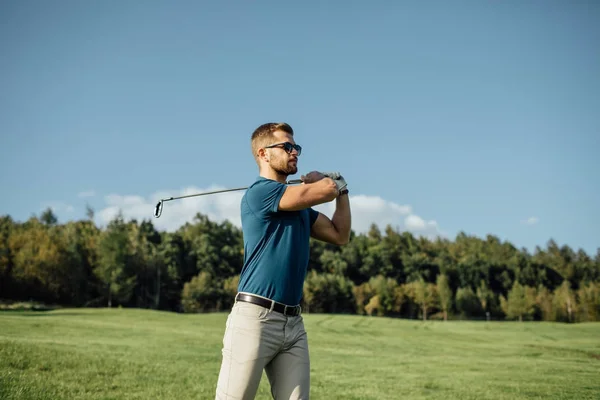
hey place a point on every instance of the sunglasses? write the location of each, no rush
(287, 146)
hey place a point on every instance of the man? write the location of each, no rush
(265, 329)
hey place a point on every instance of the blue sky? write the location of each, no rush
(443, 117)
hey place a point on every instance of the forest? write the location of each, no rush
(383, 272)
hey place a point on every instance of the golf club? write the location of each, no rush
(159, 205)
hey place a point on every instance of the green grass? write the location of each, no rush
(141, 354)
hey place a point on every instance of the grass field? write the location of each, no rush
(142, 354)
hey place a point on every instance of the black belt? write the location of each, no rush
(293, 311)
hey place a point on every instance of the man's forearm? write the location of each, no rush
(341, 217)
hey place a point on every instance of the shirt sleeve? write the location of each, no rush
(263, 198)
(312, 215)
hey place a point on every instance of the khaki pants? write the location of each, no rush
(258, 339)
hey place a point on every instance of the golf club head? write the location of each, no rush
(158, 209)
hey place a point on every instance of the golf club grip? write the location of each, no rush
(294, 181)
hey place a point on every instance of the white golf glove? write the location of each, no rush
(338, 179)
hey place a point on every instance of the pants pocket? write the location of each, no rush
(251, 311)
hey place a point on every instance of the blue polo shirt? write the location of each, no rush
(276, 244)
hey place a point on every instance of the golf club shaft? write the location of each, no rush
(204, 193)
(159, 205)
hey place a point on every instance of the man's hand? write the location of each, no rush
(312, 177)
(338, 179)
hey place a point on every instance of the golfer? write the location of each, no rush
(265, 329)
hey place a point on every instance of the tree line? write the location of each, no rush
(383, 272)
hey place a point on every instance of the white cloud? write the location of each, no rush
(218, 207)
(366, 210)
(89, 193)
(530, 221)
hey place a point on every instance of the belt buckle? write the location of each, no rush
(292, 308)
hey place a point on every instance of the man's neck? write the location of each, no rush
(270, 174)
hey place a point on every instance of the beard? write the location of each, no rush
(282, 166)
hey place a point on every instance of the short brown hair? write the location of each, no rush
(263, 135)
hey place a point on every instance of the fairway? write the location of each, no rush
(142, 354)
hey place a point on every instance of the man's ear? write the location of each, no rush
(263, 155)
